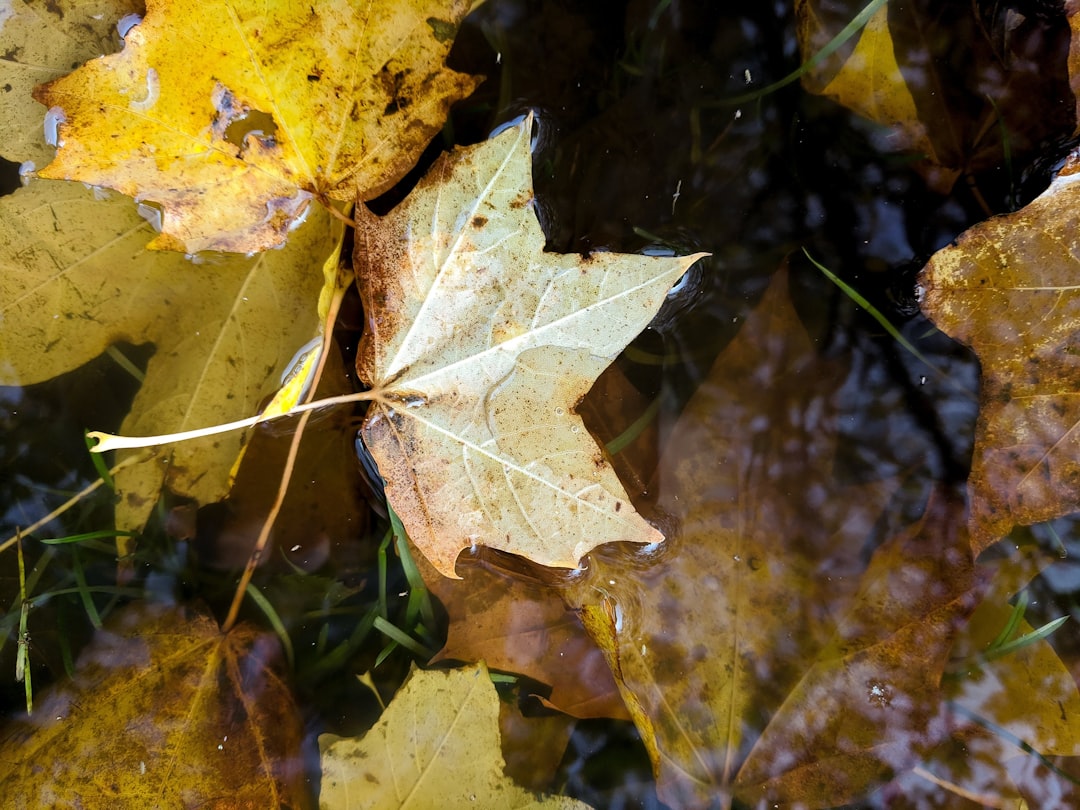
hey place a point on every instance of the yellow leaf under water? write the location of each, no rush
(75, 278)
(163, 710)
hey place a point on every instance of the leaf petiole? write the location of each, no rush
(109, 441)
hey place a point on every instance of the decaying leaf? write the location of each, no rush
(40, 42)
(163, 711)
(233, 115)
(870, 705)
(75, 278)
(480, 347)
(519, 625)
(450, 759)
(759, 603)
(1008, 289)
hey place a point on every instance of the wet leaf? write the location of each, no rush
(232, 116)
(480, 348)
(75, 278)
(521, 625)
(869, 705)
(41, 42)
(865, 78)
(967, 87)
(1007, 289)
(724, 639)
(163, 711)
(451, 759)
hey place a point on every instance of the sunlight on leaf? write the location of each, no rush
(41, 42)
(232, 116)
(480, 348)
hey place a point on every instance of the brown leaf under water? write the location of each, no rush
(869, 706)
(163, 711)
(233, 115)
(1007, 288)
(759, 604)
(479, 349)
(518, 624)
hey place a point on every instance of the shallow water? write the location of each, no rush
(637, 149)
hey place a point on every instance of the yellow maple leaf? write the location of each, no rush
(233, 115)
(480, 347)
(452, 759)
(163, 710)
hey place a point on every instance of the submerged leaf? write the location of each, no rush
(965, 86)
(1008, 289)
(163, 711)
(450, 759)
(869, 705)
(480, 347)
(41, 42)
(518, 625)
(752, 647)
(75, 278)
(232, 116)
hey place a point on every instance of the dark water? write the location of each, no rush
(638, 148)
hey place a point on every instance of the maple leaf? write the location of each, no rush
(233, 114)
(163, 711)
(75, 278)
(1007, 289)
(42, 42)
(479, 349)
(452, 759)
(734, 617)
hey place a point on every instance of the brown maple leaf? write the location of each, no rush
(1008, 289)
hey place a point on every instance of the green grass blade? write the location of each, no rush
(1025, 640)
(78, 538)
(400, 637)
(636, 428)
(419, 598)
(275, 622)
(831, 47)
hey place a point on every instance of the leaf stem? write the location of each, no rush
(110, 441)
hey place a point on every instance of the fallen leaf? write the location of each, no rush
(520, 625)
(511, 616)
(41, 42)
(480, 347)
(1007, 288)
(163, 711)
(75, 279)
(451, 759)
(870, 704)
(866, 78)
(965, 86)
(711, 633)
(233, 115)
